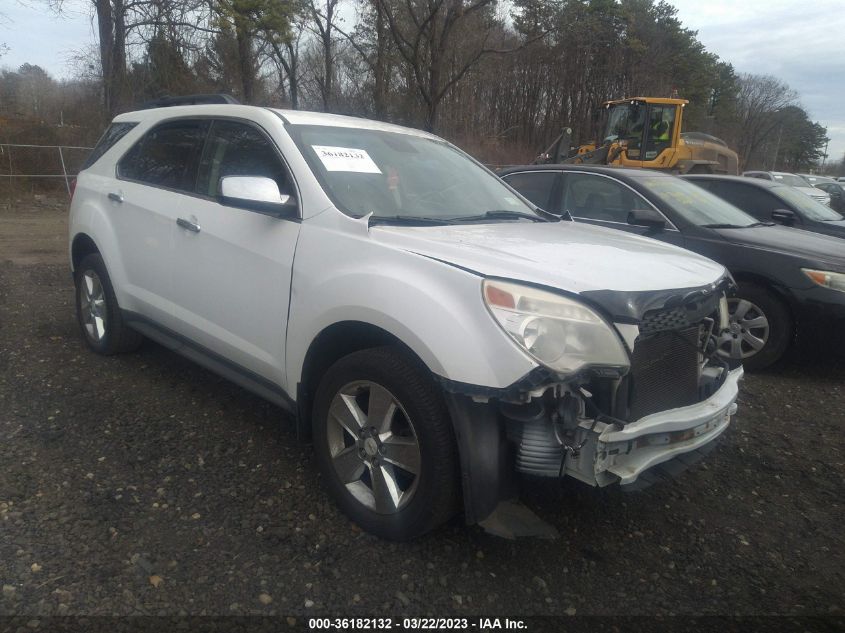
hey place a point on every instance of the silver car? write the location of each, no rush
(793, 180)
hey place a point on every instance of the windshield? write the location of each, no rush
(400, 176)
(696, 205)
(805, 205)
(789, 179)
(625, 122)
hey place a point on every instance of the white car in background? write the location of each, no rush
(792, 180)
(432, 331)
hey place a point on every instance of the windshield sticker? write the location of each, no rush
(346, 159)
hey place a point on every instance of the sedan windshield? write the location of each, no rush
(805, 205)
(401, 177)
(696, 205)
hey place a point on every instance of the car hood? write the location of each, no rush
(813, 192)
(789, 241)
(571, 257)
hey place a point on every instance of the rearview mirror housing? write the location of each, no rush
(646, 217)
(783, 216)
(256, 193)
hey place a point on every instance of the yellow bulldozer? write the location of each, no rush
(646, 132)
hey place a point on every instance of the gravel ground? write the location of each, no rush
(142, 484)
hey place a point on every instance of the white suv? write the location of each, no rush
(432, 331)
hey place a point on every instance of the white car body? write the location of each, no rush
(249, 295)
(796, 181)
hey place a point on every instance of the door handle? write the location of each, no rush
(116, 197)
(187, 224)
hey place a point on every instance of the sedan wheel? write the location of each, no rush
(761, 327)
(749, 330)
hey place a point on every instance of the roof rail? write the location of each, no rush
(164, 102)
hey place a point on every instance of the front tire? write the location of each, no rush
(761, 327)
(384, 444)
(97, 312)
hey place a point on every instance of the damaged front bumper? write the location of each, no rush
(610, 453)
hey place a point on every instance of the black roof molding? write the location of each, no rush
(164, 102)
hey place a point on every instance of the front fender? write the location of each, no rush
(434, 308)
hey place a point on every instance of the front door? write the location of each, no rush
(604, 201)
(232, 270)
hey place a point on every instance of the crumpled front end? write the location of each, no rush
(602, 427)
(677, 397)
(674, 439)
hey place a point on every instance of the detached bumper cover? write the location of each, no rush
(662, 436)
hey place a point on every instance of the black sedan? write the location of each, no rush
(786, 279)
(770, 201)
(836, 191)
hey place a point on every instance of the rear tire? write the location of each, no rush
(761, 327)
(384, 443)
(97, 312)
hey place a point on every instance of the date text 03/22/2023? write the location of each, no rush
(416, 624)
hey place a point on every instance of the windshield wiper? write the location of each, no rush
(504, 214)
(408, 219)
(726, 226)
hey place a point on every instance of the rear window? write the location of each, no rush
(112, 135)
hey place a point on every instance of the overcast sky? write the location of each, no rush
(802, 43)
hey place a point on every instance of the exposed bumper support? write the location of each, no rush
(662, 436)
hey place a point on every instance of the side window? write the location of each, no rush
(752, 200)
(536, 186)
(237, 149)
(661, 125)
(599, 198)
(166, 156)
(110, 137)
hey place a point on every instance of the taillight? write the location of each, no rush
(72, 187)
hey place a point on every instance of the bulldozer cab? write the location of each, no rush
(641, 132)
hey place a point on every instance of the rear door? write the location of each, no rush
(755, 201)
(538, 186)
(232, 270)
(155, 181)
(603, 201)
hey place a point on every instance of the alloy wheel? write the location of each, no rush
(92, 303)
(373, 446)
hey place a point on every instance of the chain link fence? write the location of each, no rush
(36, 168)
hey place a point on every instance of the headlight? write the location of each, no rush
(834, 281)
(560, 333)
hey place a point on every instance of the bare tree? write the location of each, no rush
(760, 100)
(440, 40)
(323, 14)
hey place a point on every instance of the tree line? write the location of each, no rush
(499, 79)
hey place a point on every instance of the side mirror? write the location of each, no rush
(783, 216)
(646, 217)
(256, 193)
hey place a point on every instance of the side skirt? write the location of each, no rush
(204, 357)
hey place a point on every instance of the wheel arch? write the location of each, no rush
(769, 284)
(81, 246)
(327, 347)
